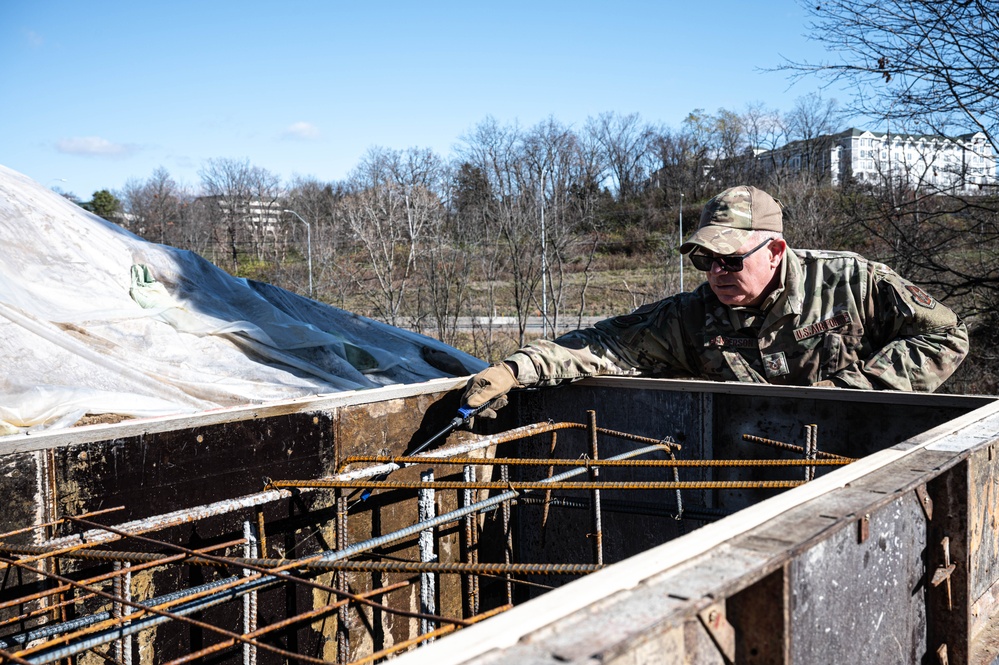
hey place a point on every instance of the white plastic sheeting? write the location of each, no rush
(95, 320)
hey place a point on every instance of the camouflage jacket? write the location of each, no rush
(837, 317)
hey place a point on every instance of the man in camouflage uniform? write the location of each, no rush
(766, 314)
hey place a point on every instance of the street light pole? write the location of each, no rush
(544, 260)
(308, 233)
(681, 241)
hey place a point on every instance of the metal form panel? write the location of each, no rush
(859, 597)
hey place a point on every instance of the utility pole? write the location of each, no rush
(544, 260)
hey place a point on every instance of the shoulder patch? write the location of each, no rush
(921, 297)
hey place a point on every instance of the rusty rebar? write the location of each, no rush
(153, 610)
(279, 572)
(507, 533)
(340, 579)
(444, 630)
(594, 474)
(793, 448)
(34, 549)
(150, 559)
(57, 522)
(269, 579)
(515, 435)
(577, 462)
(314, 613)
(273, 571)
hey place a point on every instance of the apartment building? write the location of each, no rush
(958, 164)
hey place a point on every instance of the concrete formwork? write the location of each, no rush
(851, 567)
(837, 568)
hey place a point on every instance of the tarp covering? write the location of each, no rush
(96, 320)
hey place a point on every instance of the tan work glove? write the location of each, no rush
(492, 383)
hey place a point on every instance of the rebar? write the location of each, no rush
(123, 616)
(470, 549)
(444, 630)
(832, 460)
(250, 599)
(594, 474)
(793, 448)
(284, 623)
(507, 533)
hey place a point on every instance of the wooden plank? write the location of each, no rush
(761, 616)
(983, 527)
(133, 428)
(948, 621)
(23, 492)
(159, 473)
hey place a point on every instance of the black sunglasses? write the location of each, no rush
(728, 263)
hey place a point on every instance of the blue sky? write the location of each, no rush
(95, 93)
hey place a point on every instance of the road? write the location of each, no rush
(534, 323)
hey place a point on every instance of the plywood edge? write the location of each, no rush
(45, 439)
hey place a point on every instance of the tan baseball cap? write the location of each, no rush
(731, 217)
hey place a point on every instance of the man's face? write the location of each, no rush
(751, 285)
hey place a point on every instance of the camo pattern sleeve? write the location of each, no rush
(918, 342)
(651, 341)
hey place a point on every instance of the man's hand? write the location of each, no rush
(492, 383)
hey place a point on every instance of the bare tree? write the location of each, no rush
(624, 141)
(809, 123)
(931, 63)
(447, 260)
(765, 131)
(395, 200)
(152, 207)
(498, 152)
(241, 204)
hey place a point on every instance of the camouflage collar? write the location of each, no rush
(792, 281)
(787, 299)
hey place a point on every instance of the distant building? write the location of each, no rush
(960, 164)
(260, 218)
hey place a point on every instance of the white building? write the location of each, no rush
(960, 164)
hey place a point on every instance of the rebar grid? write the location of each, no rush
(549, 462)
(43, 638)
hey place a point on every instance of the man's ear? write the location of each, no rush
(778, 247)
